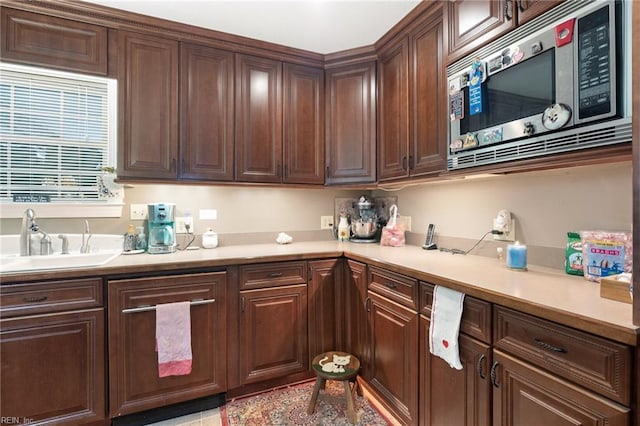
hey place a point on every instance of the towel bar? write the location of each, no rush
(153, 308)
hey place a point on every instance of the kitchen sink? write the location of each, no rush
(104, 248)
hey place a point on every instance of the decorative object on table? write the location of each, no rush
(107, 187)
(606, 253)
(209, 239)
(444, 328)
(363, 209)
(130, 239)
(393, 232)
(344, 230)
(141, 238)
(573, 254)
(517, 256)
(284, 238)
(288, 406)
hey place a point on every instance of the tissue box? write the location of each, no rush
(611, 288)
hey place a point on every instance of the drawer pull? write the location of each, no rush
(479, 365)
(392, 286)
(153, 308)
(492, 373)
(547, 346)
(367, 304)
(274, 275)
(34, 299)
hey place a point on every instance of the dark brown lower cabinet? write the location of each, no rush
(524, 395)
(355, 333)
(455, 397)
(324, 276)
(133, 361)
(273, 333)
(53, 368)
(394, 356)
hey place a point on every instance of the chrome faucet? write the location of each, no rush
(85, 248)
(29, 225)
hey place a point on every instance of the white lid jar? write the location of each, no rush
(209, 239)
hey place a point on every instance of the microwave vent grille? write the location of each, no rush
(597, 135)
(556, 14)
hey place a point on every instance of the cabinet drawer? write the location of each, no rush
(598, 364)
(272, 274)
(396, 287)
(476, 313)
(50, 296)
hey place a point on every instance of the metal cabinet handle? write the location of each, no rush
(147, 308)
(242, 304)
(404, 163)
(33, 299)
(411, 162)
(521, 6)
(479, 365)
(327, 172)
(367, 304)
(549, 347)
(493, 373)
(274, 275)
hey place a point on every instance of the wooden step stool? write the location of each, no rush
(345, 374)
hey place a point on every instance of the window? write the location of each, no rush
(57, 137)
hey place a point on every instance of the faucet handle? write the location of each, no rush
(65, 243)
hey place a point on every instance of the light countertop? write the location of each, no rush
(547, 293)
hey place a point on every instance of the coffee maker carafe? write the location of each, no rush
(162, 232)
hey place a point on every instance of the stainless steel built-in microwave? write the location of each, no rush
(549, 86)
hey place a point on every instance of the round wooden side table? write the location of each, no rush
(346, 374)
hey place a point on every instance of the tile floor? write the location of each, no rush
(203, 418)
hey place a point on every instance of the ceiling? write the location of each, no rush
(321, 26)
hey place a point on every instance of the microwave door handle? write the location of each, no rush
(507, 11)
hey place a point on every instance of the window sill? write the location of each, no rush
(46, 210)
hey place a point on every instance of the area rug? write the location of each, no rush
(288, 406)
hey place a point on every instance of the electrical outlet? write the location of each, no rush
(509, 236)
(407, 222)
(138, 211)
(326, 222)
(181, 225)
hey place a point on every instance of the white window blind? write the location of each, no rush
(56, 135)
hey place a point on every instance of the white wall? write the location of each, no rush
(545, 204)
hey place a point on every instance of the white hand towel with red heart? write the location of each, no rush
(446, 313)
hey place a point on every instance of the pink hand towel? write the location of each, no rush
(173, 338)
(446, 314)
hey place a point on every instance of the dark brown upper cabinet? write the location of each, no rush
(206, 113)
(303, 125)
(147, 106)
(473, 23)
(411, 101)
(35, 39)
(258, 119)
(351, 124)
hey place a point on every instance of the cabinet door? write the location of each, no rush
(206, 113)
(428, 100)
(258, 119)
(356, 328)
(454, 397)
(393, 107)
(273, 333)
(351, 124)
(322, 301)
(133, 361)
(526, 396)
(303, 115)
(394, 356)
(34, 39)
(529, 9)
(474, 22)
(147, 106)
(53, 368)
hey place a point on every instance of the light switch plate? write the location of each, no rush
(326, 222)
(138, 211)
